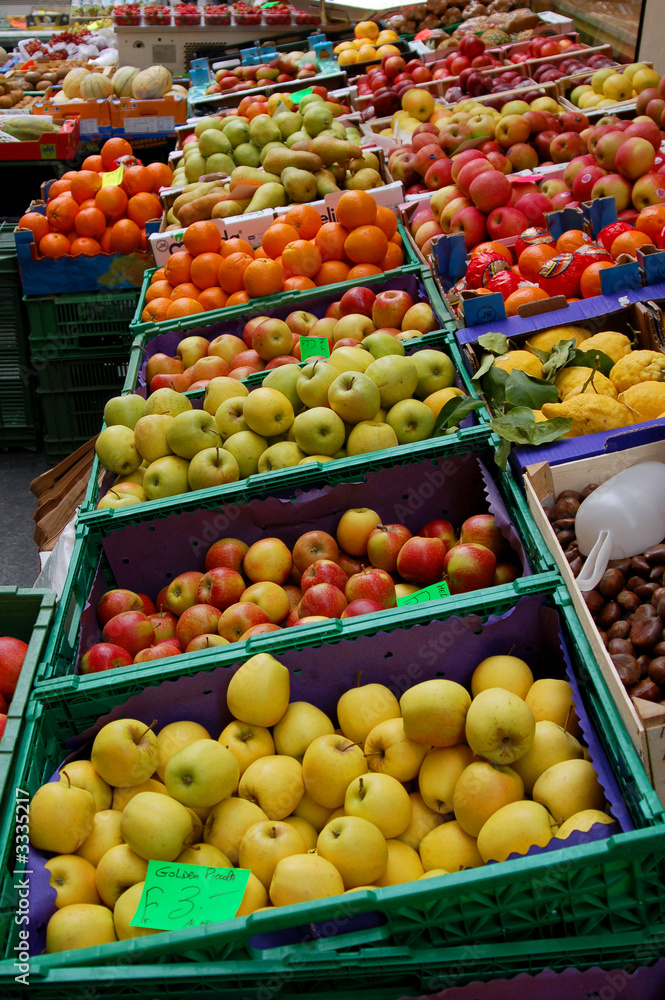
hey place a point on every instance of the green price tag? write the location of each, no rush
(433, 593)
(299, 94)
(275, 4)
(314, 347)
(176, 896)
(113, 178)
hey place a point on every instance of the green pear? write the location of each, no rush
(237, 131)
(247, 155)
(308, 100)
(209, 123)
(212, 141)
(269, 195)
(167, 401)
(126, 410)
(195, 167)
(300, 185)
(288, 122)
(116, 450)
(299, 136)
(258, 693)
(220, 163)
(264, 130)
(268, 146)
(318, 117)
(365, 180)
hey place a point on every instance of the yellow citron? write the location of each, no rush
(591, 413)
(347, 57)
(615, 345)
(387, 35)
(572, 381)
(366, 52)
(522, 361)
(638, 366)
(648, 398)
(343, 46)
(538, 415)
(438, 399)
(546, 340)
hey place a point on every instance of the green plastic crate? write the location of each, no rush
(612, 887)
(65, 326)
(19, 426)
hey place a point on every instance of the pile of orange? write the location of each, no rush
(297, 252)
(83, 217)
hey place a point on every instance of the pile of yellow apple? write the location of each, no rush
(424, 787)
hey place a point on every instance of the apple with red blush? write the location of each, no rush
(363, 606)
(104, 656)
(322, 599)
(323, 571)
(374, 584)
(469, 566)
(130, 629)
(384, 544)
(421, 560)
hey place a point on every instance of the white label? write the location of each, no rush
(89, 126)
(156, 123)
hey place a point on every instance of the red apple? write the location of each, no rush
(384, 544)
(390, 307)
(489, 190)
(481, 529)
(160, 651)
(535, 207)
(357, 300)
(197, 620)
(420, 560)
(228, 552)
(113, 602)
(567, 146)
(471, 222)
(314, 545)
(162, 364)
(234, 622)
(323, 571)
(505, 222)
(259, 630)
(131, 630)
(322, 599)
(635, 158)
(438, 174)
(353, 564)
(164, 624)
(221, 587)
(471, 170)
(363, 606)
(104, 656)
(585, 180)
(469, 567)
(466, 157)
(374, 584)
(442, 529)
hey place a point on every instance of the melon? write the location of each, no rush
(152, 82)
(123, 79)
(60, 98)
(94, 86)
(71, 85)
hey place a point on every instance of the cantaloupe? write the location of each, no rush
(152, 82)
(95, 86)
(71, 85)
(123, 79)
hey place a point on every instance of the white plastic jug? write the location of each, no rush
(622, 518)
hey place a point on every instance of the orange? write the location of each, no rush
(125, 237)
(394, 258)
(276, 238)
(397, 239)
(88, 203)
(205, 269)
(493, 246)
(182, 307)
(521, 297)
(142, 207)
(86, 246)
(85, 185)
(61, 213)
(105, 240)
(93, 163)
(36, 222)
(156, 310)
(178, 267)
(298, 284)
(144, 240)
(331, 272)
(365, 244)
(571, 240)
(157, 290)
(237, 299)
(386, 220)
(136, 179)
(112, 201)
(59, 187)
(263, 277)
(202, 237)
(162, 175)
(362, 271)
(212, 298)
(302, 258)
(305, 219)
(355, 208)
(112, 150)
(54, 245)
(627, 242)
(260, 252)
(532, 259)
(90, 222)
(330, 240)
(186, 290)
(651, 221)
(236, 245)
(231, 271)
(159, 275)
(590, 280)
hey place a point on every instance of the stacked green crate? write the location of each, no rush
(19, 426)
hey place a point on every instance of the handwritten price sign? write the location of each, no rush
(433, 593)
(176, 896)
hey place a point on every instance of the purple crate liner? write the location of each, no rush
(406, 494)
(530, 629)
(588, 445)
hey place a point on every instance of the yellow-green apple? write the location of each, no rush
(480, 790)
(382, 800)
(105, 834)
(227, 824)
(421, 560)
(308, 833)
(228, 552)
(382, 342)
(314, 545)
(322, 571)
(219, 587)
(506, 221)
(131, 630)
(104, 656)
(323, 328)
(404, 865)
(448, 846)
(582, 821)
(420, 317)
(268, 412)
(551, 745)
(502, 671)
(384, 544)
(82, 925)
(123, 793)
(229, 416)
(396, 378)
(255, 898)
(303, 877)
(323, 599)
(150, 436)
(202, 774)
(500, 726)
(163, 623)
(423, 819)
(125, 752)
(226, 346)
(191, 432)
(372, 584)
(320, 430)
(124, 912)
(569, 787)
(348, 359)
(315, 814)
(73, 879)
(247, 448)
(389, 751)
(355, 326)
(469, 567)
(439, 773)
(166, 477)
(285, 379)
(513, 829)
(274, 783)
(314, 381)
(200, 619)
(190, 349)
(550, 188)
(435, 371)
(281, 455)
(371, 435)
(300, 725)
(552, 699)
(258, 692)
(265, 844)
(267, 559)
(173, 737)
(272, 338)
(356, 848)
(426, 232)
(606, 149)
(482, 530)
(442, 198)
(236, 619)
(354, 396)
(181, 592)
(330, 763)
(117, 451)
(156, 827)
(167, 401)
(360, 709)
(404, 589)
(435, 711)
(117, 870)
(247, 743)
(453, 134)
(81, 774)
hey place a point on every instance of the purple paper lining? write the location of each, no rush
(398, 659)
(141, 556)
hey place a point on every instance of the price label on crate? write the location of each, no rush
(433, 593)
(114, 177)
(314, 347)
(176, 896)
(299, 94)
(47, 151)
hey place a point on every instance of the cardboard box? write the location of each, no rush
(60, 145)
(644, 720)
(92, 115)
(139, 117)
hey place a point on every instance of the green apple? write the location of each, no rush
(319, 431)
(282, 455)
(499, 726)
(268, 412)
(166, 477)
(361, 708)
(390, 751)
(124, 410)
(125, 752)
(247, 743)
(174, 737)
(330, 764)
(370, 435)
(229, 417)
(73, 879)
(82, 774)
(439, 773)
(285, 379)
(205, 123)
(212, 467)
(354, 397)
(381, 344)
(396, 378)
(275, 783)
(435, 371)
(202, 774)
(191, 432)
(221, 388)
(117, 501)
(350, 359)
(308, 459)
(381, 799)
(61, 817)
(569, 787)
(156, 827)
(411, 420)
(302, 877)
(116, 450)
(150, 436)
(551, 744)
(314, 381)
(167, 401)
(247, 448)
